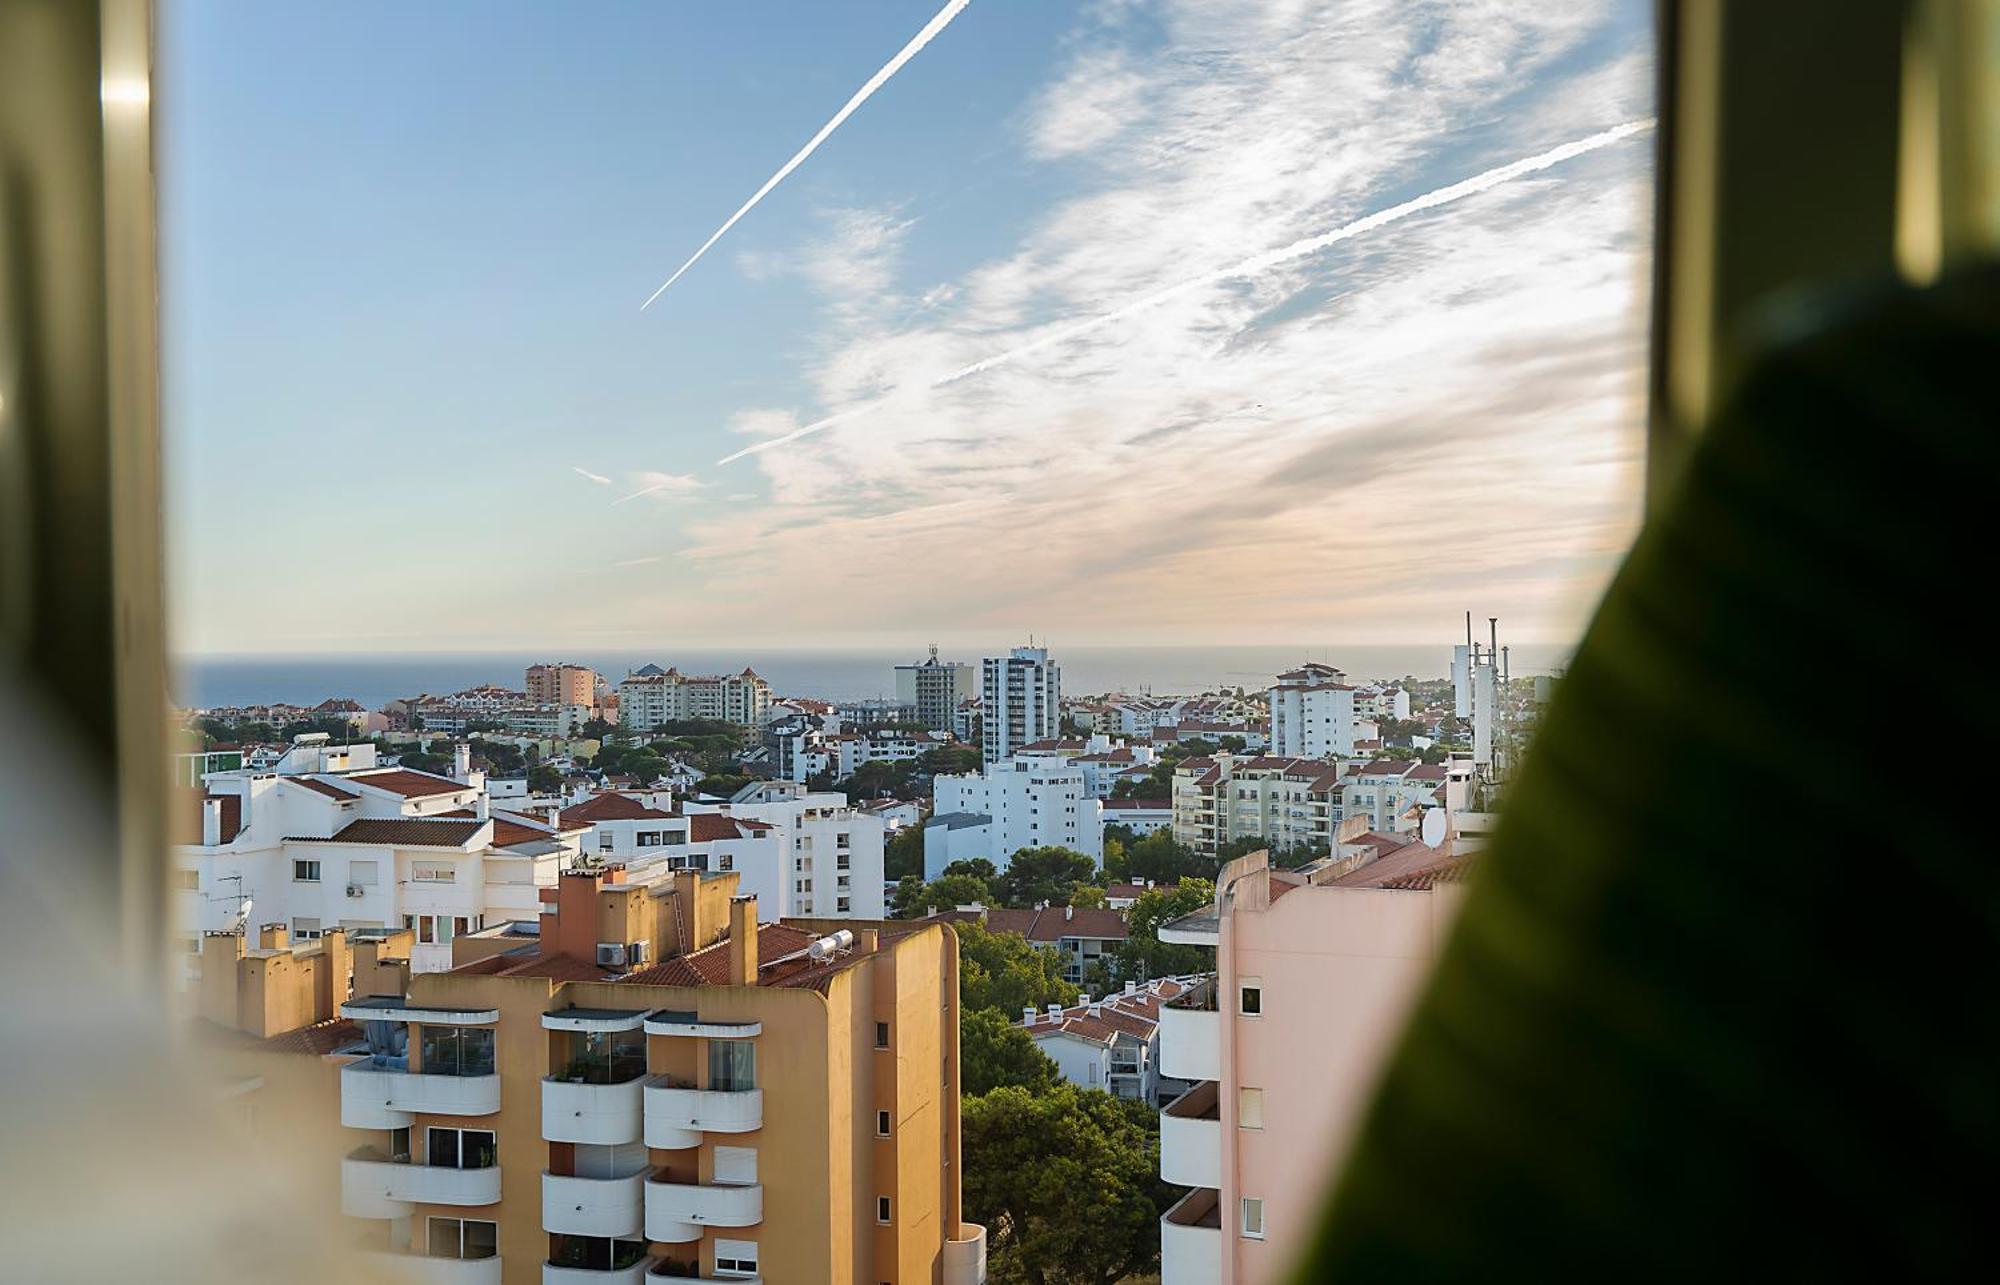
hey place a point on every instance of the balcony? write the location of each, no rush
(420, 1269)
(1191, 1036)
(633, 1275)
(1191, 1240)
(676, 1116)
(384, 1096)
(605, 1114)
(609, 1207)
(1191, 1138)
(677, 1211)
(965, 1256)
(671, 1022)
(667, 1269)
(374, 1186)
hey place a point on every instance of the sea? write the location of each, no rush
(207, 682)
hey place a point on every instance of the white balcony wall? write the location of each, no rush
(374, 1098)
(595, 1113)
(612, 1207)
(1190, 1043)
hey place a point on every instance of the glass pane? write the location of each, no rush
(444, 1238)
(476, 1057)
(442, 1149)
(476, 1149)
(440, 1050)
(482, 1239)
(732, 1065)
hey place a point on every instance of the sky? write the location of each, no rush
(410, 392)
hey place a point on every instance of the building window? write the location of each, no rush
(460, 1149)
(735, 1257)
(881, 1035)
(882, 1210)
(463, 1238)
(363, 874)
(732, 1065)
(604, 840)
(305, 871)
(1250, 997)
(1250, 1109)
(305, 929)
(881, 1124)
(1253, 1218)
(456, 1050)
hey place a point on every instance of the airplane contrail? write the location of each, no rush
(1249, 267)
(861, 95)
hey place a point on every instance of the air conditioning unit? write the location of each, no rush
(639, 952)
(610, 954)
(355, 890)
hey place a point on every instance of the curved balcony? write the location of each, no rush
(677, 1117)
(386, 1097)
(633, 1275)
(1191, 1138)
(1191, 1240)
(965, 1256)
(419, 1269)
(1191, 1036)
(594, 1113)
(675, 1022)
(610, 1207)
(677, 1211)
(373, 1186)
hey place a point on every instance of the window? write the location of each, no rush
(735, 1257)
(304, 929)
(1250, 1109)
(433, 872)
(1250, 997)
(649, 838)
(881, 1035)
(882, 1210)
(363, 874)
(881, 1124)
(456, 1050)
(459, 1148)
(732, 1065)
(1253, 1218)
(735, 1166)
(604, 840)
(305, 872)
(463, 1238)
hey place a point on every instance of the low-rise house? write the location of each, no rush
(1112, 1043)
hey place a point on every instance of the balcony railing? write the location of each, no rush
(1191, 1240)
(385, 1096)
(592, 1112)
(421, 1269)
(372, 1185)
(677, 1115)
(677, 1211)
(610, 1207)
(965, 1256)
(1191, 1138)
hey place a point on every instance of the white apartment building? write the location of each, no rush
(1020, 701)
(650, 696)
(330, 840)
(1313, 982)
(1112, 1043)
(1290, 803)
(804, 753)
(1313, 713)
(935, 689)
(1029, 801)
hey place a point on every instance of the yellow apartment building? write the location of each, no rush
(655, 1088)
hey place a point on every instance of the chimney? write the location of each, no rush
(743, 941)
(868, 941)
(273, 937)
(211, 822)
(1131, 988)
(1055, 1012)
(1028, 1015)
(482, 808)
(461, 761)
(1069, 913)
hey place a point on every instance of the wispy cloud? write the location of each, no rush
(587, 475)
(640, 562)
(662, 484)
(938, 23)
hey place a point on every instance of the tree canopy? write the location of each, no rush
(1143, 955)
(1046, 874)
(1066, 1182)
(994, 1052)
(1003, 972)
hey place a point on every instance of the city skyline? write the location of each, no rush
(1336, 451)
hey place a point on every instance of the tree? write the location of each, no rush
(1001, 971)
(723, 785)
(904, 853)
(1043, 875)
(544, 779)
(1086, 896)
(914, 897)
(948, 759)
(994, 1053)
(595, 729)
(1066, 1183)
(879, 778)
(1143, 955)
(978, 867)
(1158, 857)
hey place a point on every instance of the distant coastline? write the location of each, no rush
(831, 674)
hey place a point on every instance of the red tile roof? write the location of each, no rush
(506, 831)
(328, 788)
(709, 966)
(188, 818)
(1389, 869)
(708, 827)
(400, 832)
(318, 1039)
(610, 807)
(406, 782)
(1052, 925)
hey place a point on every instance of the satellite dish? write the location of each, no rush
(1436, 826)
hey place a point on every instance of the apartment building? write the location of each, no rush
(1020, 701)
(327, 840)
(650, 696)
(803, 752)
(659, 1086)
(559, 684)
(1298, 804)
(1111, 1043)
(1030, 801)
(1313, 713)
(935, 688)
(1282, 1046)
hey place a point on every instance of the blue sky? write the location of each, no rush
(405, 245)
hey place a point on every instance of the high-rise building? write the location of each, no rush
(1313, 981)
(1020, 701)
(650, 696)
(560, 684)
(698, 1096)
(935, 688)
(1312, 713)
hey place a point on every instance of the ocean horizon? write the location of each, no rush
(207, 682)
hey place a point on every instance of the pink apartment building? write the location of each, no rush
(1312, 982)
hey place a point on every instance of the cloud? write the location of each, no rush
(640, 562)
(586, 474)
(664, 485)
(1351, 446)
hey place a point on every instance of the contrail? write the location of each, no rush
(598, 478)
(1250, 267)
(861, 95)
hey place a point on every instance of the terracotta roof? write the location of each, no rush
(1136, 889)
(1387, 767)
(709, 966)
(402, 832)
(1137, 805)
(408, 783)
(318, 1039)
(328, 788)
(188, 819)
(610, 807)
(707, 827)
(1391, 869)
(1048, 746)
(1426, 772)
(506, 831)
(1052, 925)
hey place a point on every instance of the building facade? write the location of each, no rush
(1020, 701)
(1313, 713)
(1031, 801)
(650, 696)
(934, 689)
(559, 684)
